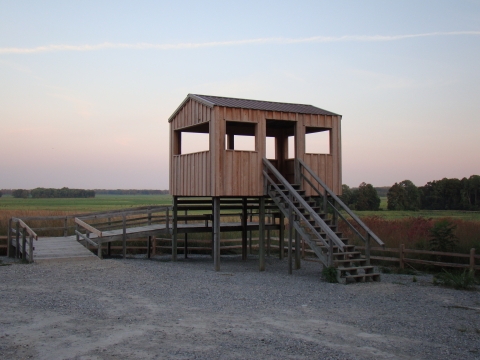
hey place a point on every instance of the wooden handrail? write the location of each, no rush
(88, 227)
(340, 202)
(303, 203)
(26, 227)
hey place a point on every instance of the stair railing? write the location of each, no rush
(295, 195)
(336, 200)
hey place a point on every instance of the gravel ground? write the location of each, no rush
(146, 309)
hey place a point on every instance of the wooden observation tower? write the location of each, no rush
(291, 184)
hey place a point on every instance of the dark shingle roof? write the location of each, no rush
(253, 104)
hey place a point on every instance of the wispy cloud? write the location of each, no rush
(259, 41)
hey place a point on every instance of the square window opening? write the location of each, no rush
(317, 141)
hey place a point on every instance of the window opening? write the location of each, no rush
(317, 141)
(270, 147)
(194, 142)
(291, 147)
(243, 135)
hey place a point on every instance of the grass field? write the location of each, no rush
(98, 203)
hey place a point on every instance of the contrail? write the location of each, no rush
(213, 44)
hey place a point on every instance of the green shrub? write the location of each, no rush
(459, 281)
(330, 274)
(442, 236)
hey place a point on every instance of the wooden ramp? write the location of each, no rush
(52, 249)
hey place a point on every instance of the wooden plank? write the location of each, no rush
(88, 227)
(216, 233)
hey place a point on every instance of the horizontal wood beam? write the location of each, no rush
(88, 227)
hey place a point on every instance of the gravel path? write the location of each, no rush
(150, 309)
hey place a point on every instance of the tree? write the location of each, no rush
(1, 194)
(442, 236)
(347, 195)
(20, 193)
(366, 197)
(403, 196)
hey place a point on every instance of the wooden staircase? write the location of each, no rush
(319, 231)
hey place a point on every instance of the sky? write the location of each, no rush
(86, 87)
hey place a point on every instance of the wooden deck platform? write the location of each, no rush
(55, 249)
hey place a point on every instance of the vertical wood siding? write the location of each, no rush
(191, 174)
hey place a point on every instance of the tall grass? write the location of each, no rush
(414, 232)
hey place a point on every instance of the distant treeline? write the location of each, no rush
(444, 194)
(44, 193)
(131, 192)
(61, 193)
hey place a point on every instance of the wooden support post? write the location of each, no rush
(149, 217)
(174, 229)
(290, 237)
(17, 240)
(65, 227)
(367, 249)
(330, 252)
(77, 228)
(281, 235)
(297, 251)
(185, 243)
(9, 239)
(109, 249)
(124, 236)
(216, 233)
(244, 228)
(99, 249)
(472, 259)
(402, 256)
(268, 236)
(109, 223)
(325, 194)
(24, 244)
(149, 245)
(167, 221)
(303, 248)
(261, 235)
(335, 215)
(154, 246)
(30, 249)
(250, 238)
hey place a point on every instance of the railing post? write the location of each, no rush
(367, 249)
(109, 223)
(24, 244)
(124, 218)
(330, 252)
(261, 235)
(281, 235)
(335, 214)
(325, 194)
(167, 221)
(290, 234)
(402, 256)
(472, 259)
(17, 240)
(9, 239)
(149, 217)
(154, 246)
(77, 230)
(65, 227)
(30, 248)
(99, 250)
(174, 229)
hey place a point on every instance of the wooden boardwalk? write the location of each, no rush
(53, 249)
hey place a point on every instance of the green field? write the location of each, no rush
(434, 214)
(98, 203)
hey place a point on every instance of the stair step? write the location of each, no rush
(367, 267)
(343, 262)
(363, 277)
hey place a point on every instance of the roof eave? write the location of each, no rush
(194, 97)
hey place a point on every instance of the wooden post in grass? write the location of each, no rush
(472, 259)
(402, 256)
